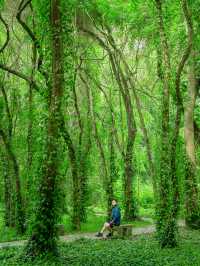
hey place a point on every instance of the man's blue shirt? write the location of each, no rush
(116, 215)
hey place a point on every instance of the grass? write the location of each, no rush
(93, 224)
(147, 212)
(10, 234)
(141, 251)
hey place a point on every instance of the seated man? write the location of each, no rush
(115, 219)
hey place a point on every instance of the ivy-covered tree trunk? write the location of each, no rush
(165, 228)
(43, 239)
(129, 202)
(84, 145)
(130, 211)
(84, 162)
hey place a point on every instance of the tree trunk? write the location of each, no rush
(20, 215)
(76, 221)
(130, 212)
(43, 240)
(165, 235)
(152, 172)
(179, 111)
(8, 192)
(82, 156)
(30, 134)
(191, 188)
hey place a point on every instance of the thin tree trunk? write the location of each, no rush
(10, 219)
(99, 145)
(8, 192)
(76, 221)
(147, 143)
(30, 129)
(82, 157)
(112, 173)
(129, 201)
(20, 216)
(112, 167)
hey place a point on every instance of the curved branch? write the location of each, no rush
(31, 34)
(23, 24)
(20, 75)
(7, 34)
(95, 37)
(186, 53)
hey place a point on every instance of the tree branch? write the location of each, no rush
(7, 34)
(20, 75)
(31, 34)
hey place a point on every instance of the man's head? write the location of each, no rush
(114, 202)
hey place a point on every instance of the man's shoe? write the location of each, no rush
(109, 235)
(99, 235)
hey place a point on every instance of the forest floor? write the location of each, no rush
(77, 236)
(141, 250)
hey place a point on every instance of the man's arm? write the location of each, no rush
(114, 215)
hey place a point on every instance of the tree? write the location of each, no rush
(43, 239)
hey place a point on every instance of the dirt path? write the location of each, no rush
(72, 237)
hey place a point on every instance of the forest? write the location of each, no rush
(99, 101)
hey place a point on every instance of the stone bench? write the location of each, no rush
(124, 230)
